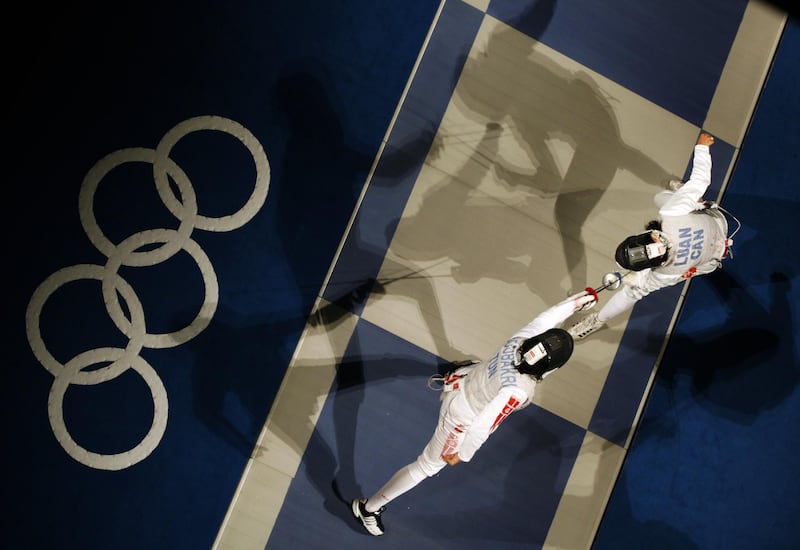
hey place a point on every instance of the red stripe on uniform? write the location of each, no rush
(509, 407)
(452, 444)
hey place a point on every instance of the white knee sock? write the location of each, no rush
(402, 481)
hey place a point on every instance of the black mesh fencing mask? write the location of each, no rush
(641, 251)
(545, 352)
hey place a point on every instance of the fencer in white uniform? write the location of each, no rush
(476, 399)
(690, 238)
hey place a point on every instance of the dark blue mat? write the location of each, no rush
(708, 468)
(712, 464)
(94, 79)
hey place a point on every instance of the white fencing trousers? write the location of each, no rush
(455, 416)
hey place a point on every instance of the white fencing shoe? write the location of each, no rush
(585, 327)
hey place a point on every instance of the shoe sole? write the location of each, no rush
(354, 507)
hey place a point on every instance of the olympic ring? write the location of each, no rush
(253, 204)
(130, 253)
(86, 200)
(207, 310)
(118, 461)
(53, 283)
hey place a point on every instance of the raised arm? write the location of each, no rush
(685, 199)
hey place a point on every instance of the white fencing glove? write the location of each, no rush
(583, 300)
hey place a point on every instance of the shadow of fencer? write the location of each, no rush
(459, 221)
(744, 363)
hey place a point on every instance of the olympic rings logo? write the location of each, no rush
(129, 253)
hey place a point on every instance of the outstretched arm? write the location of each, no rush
(557, 314)
(637, 286)
(685, 199)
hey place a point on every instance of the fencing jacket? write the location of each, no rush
(495, 389)
(697, 235)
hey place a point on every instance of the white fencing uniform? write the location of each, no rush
(474, 403)
(697, 235)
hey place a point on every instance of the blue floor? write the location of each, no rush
(712, 463)
(317, 90)
(709, 464)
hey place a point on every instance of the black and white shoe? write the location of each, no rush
(370, 520)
